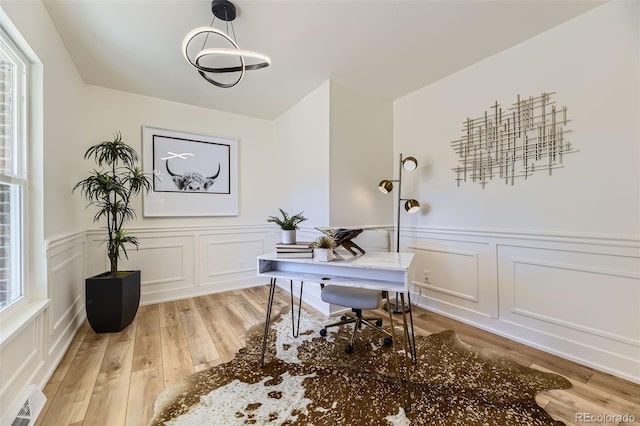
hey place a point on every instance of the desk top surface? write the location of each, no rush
(370, 260)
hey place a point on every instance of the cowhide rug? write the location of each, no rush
(310, 380)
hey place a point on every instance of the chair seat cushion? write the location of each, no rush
(355, 298)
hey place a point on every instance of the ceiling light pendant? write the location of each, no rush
(247, 60)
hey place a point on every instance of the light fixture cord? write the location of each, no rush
(226, 27)
(226, 21)
(207, 37)
(234, 32)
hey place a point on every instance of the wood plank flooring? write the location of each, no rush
(113, 379)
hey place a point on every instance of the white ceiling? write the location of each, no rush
(386, 47)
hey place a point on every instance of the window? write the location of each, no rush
(13, 177)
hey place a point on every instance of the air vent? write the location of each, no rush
(31, 407)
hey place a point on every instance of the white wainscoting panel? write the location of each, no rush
(33, 351)
(574, 296)
(16, 364)
(65, 283)
(458, 272)
(165, 263)
(187, 262)
(454, 272)
(574, 290)
(226, 256)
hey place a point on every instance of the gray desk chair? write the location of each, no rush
(359, 299)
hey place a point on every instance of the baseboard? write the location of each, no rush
(592, 357)
(185, 293)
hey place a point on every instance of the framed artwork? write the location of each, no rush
(193, 174)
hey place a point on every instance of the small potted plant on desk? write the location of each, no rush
(112, 298)
(288, 224)
(323, 249)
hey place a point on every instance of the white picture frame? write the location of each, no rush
(192, 174)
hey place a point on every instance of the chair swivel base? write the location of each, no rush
(358, 321)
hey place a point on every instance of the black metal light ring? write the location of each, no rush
(216, 83)
(233, 69)
(209, 30)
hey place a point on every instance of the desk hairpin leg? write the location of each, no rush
(295, 330)
(267, 320)
(406, 403)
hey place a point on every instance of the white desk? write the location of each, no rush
(382, 271)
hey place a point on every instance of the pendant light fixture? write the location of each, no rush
(213, 62)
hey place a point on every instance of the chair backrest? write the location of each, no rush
(374, 240)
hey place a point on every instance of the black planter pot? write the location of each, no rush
(112, 303)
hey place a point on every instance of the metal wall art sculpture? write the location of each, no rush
(525, 138)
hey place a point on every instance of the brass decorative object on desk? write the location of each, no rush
(343, 237)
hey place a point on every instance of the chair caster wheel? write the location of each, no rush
(388, 341)
(343, 318)
(323, 332)
(348, 349)
(379, 323)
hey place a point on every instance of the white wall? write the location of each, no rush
(303, 172)
(361, 156)
(595, 74)
(108, 110)
(553, 261)
(337, 142)
(188, 256)
(63, 94)
(303, 167)
(40, 335)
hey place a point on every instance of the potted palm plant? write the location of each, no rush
(288, 224)
(112, 298)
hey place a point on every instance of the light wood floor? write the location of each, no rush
(113, 379)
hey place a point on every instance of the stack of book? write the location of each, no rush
(301, 249)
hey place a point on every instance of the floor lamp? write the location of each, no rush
(411, 206)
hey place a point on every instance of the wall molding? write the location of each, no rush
(213, 258)
(570, 324)
(576, 268)
(575, 326)
(466, 253)
(54, 242)
(624, 241)
(571, 334)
